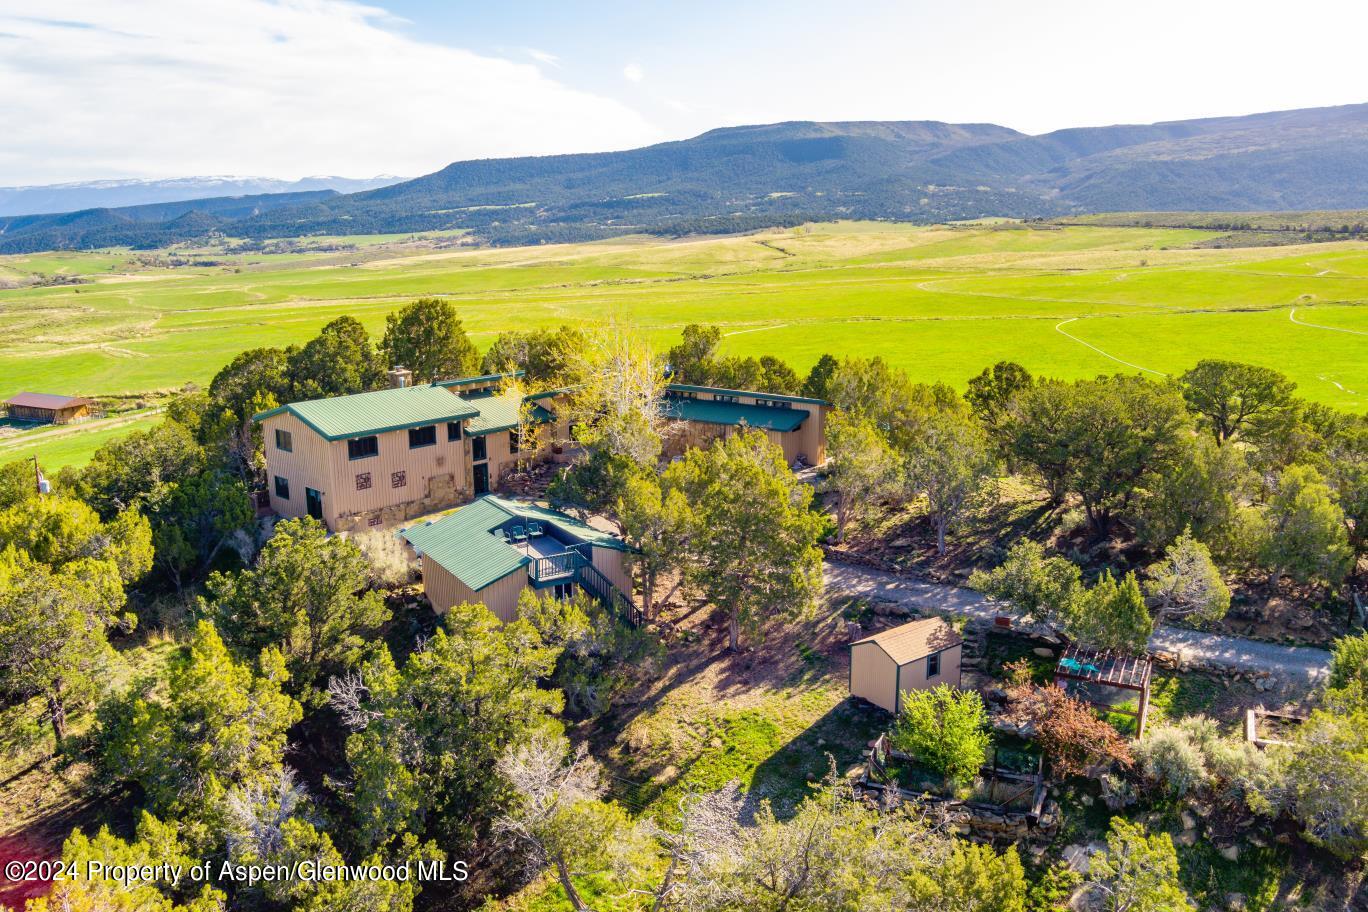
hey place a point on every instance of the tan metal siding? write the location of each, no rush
(308, 465)
(433, 472)
(873, 675)
(914, 672)
(446, 591)
(612, 564)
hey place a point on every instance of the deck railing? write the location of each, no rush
(556, 566)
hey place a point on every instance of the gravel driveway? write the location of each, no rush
(1298, 663)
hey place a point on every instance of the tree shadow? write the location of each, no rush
(797, 768)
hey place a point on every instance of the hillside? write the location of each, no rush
(782, 174)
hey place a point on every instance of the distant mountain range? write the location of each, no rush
(750, 177)
(110, 194)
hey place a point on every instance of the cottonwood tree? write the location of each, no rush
(307, 596)
(618, 396)
(862, 468)
(218, 723)
(1229, 394)
(753, 540)
(52, 632)
(428, 338)
(1138, 872)
(655, 520)
(949, 462)
(426, 737)
(1186, 584)
(1306, 536)
(946, 729)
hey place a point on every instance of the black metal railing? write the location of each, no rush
(557, 566)
(610, 596)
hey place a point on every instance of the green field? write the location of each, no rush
(939, 302)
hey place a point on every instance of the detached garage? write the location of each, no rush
(916, 656)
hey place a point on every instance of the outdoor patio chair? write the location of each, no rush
(519, 533)
(535, 528)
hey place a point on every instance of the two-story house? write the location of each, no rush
(376, 459)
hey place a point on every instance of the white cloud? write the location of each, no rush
(633, 72)
(285, 88)
(543, 57)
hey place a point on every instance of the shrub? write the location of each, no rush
(945, 728)
(1174, 758)
(390, 564)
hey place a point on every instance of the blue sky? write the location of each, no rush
(285, 88)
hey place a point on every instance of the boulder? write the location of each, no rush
(1044, 652)
(1186, 838)
(1230, 853)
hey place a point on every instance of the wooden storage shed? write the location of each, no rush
(47, 408)
(915, 656)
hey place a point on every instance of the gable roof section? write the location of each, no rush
(708, 411)
(363, 414)
(463, 544)
(499, 412)
(914, 640)
(46, 401)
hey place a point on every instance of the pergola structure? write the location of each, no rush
(1093, 669)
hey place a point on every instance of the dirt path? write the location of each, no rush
(1303, 663)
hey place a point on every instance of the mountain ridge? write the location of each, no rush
(762, 175)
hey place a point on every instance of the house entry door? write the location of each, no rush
(313, 502)
(482, 479)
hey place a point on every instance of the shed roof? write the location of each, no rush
(710, 411)
(362, 414)
(499, 412)
(464, 544)
(46, 401)
(692, 388)
(914, 640)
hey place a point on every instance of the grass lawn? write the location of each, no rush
(940, 302)
(73, 445)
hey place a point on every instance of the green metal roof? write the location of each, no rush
(483, 378)
(363, 414)
(499, 412)
(687, 388)
(709, 411)
(463, 543)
